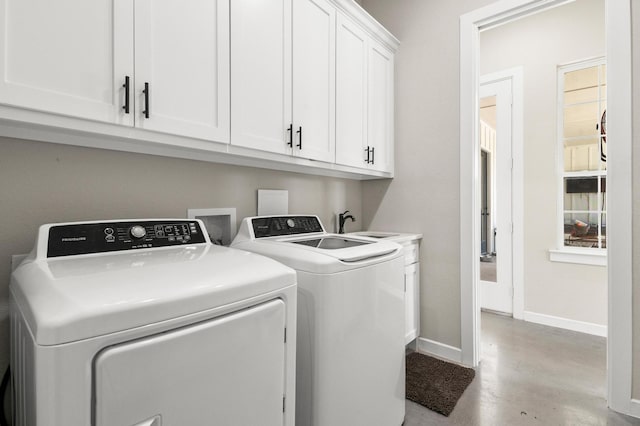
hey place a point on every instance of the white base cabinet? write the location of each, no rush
(412, 302)
(411, 288)
(411, 249)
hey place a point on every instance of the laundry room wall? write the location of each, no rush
(635, 30)
(565, 294)
(424, 196)
(45, 182)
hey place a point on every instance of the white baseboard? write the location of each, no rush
(634, 408)
(567, 324)
(439, 350)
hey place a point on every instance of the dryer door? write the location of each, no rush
(225, 371)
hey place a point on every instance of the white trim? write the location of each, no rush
(567, 324)
(620, 331)
(593, 173)
(620, 207)
(438, 349)
(469, 198)
(586, 256)
(634, 408)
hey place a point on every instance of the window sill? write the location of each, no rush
(595, 257)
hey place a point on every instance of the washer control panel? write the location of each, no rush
(84, 238)
(285, 225)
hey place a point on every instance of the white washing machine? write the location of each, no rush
(146, 323)
(350, 344)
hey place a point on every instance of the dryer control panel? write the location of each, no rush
(85, 238)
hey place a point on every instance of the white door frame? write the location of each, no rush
(619, 182)
(515, 77)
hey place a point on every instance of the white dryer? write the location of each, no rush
(350, 343)
(146, 323)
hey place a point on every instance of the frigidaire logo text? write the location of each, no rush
(66, 239)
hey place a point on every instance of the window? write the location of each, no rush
(582, 92)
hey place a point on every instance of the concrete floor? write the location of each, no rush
(531, 375)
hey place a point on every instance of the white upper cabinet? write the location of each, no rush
(351, 93)
(68, 57)
(261, 75)
(381, 109)
(364, 99)
(314, 31)
(283, 77)
(77, 58)
(182, 59)
(298, 85)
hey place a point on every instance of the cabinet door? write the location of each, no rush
(412, 301)
(68, 57)
(314, 29)
(351, 93)
(261, 74)
(182, 54)
(381, 109)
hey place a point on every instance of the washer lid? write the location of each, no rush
(73, 298)
(324, 253)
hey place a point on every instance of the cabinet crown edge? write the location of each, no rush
(354, 11)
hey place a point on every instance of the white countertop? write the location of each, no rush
(398, 237)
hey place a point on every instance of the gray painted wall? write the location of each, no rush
(43, 182)
(539, 44)
(424, 197)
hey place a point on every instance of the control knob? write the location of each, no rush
(137, 231)
(291, 223)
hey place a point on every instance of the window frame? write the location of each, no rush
(563, 253)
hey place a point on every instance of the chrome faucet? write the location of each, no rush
(342, 218)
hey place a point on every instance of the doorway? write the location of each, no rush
(618, 52)
(496, 222)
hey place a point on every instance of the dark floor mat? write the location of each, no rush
(436, 384)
